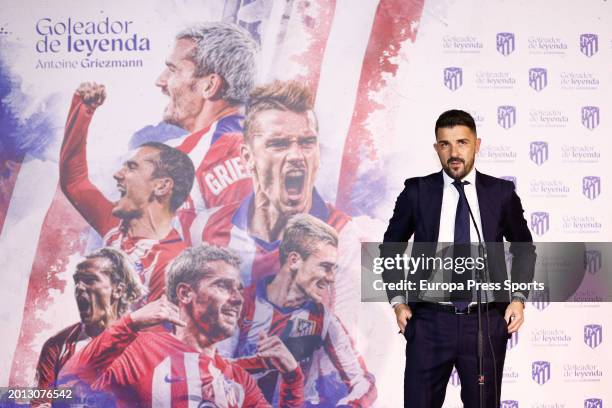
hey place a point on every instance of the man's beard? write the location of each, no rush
(209, 324)
(127, 215)
(461, 173)
(171, 118)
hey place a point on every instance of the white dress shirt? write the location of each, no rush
(450, 199)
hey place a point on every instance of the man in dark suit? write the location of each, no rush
(434, 209)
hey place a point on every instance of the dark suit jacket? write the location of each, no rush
(417, 212)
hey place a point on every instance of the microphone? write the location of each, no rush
(480, 347)
(481, 249)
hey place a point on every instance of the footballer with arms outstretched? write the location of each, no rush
(152, 184)
(151, 368)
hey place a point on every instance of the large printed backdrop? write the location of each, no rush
(536, 76)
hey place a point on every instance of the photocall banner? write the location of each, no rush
(123, 126)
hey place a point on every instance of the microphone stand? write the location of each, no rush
(479, 279)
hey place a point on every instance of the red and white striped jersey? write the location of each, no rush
(305, 330)
(56, 351)
(228, 227)
(155, 369)
(150, 256)
(221, 177)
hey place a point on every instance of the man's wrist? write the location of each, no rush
(398, 300)
(518, 297)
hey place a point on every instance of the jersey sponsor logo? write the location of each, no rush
(225, 174)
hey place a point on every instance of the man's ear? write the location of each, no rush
(212, 86)
(247, 157)
(184, 293)
(118, 291)
(478, 140)
(294, 261)
(163, 186)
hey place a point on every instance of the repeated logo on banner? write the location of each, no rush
(453, 78)
(593, 403)
(590, 117)
(548, 147)
(550, 188)
(592, 261)
(591, 187)
(548, 118)
(538, 78)
(582, 153)
(506, 116)
(505, 43)
(540, 299)
(593, 335)
(540, 371)
(540, 222)
(538, 152)
(547, 45)
(557, 337)
(589, 44)
(510, 375)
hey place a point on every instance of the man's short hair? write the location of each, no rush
(176, 165)
(122, 271)
(455, 117)
(227, 50)
(280, 95)
(192, 265)
(303, 234)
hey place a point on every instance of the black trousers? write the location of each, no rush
(438, 340)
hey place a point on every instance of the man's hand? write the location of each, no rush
(514, 315)
(274, 350)
(159, 311)
(402, 315)
(92, 93)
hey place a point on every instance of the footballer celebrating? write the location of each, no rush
(158, 368)
(152, 184)
(105, 285)
(282, 153)
(289, 305)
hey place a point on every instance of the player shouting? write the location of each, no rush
(282, 153)
(105, 285)
(158, 368)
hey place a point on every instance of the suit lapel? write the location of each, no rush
(432, 206)
(487, 217)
